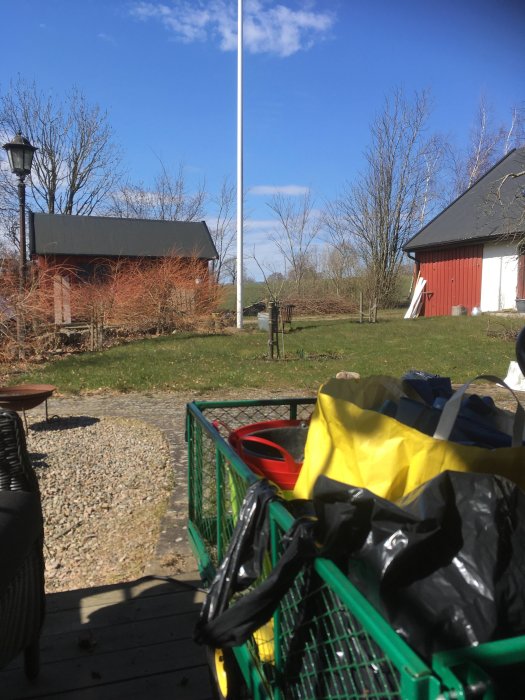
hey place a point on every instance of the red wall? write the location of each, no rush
(453, 279)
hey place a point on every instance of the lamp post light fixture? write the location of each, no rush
(20, 153)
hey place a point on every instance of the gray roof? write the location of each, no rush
(479, 214)
(61, 234)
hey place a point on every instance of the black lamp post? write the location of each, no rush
(20, 153)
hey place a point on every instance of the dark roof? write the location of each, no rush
(60, 234)
(478, 214)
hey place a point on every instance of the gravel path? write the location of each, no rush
(108, 467)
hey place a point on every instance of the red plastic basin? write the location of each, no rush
(272, 449)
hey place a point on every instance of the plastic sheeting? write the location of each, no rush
(444, 565)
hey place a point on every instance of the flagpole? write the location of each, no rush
(239, 164)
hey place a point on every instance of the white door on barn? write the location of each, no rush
(499, 276)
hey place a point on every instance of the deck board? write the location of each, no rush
(130, 640)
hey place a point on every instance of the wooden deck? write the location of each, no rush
(127, 641)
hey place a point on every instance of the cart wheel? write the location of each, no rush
(227, 679)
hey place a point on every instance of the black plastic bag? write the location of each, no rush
(221, 626)
(242, 563)
(444, 565)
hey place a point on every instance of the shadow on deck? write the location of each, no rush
(130, 640)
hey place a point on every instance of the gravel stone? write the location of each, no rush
(105, 484)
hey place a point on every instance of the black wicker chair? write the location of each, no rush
(22, 593)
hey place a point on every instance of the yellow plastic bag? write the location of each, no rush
(348, 442)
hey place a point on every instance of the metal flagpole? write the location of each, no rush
(239, 164)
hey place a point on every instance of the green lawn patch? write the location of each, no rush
(314, 350)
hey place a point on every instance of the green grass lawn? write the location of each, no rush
(458, 347)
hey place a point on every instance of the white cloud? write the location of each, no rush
(269, 190)
(259, 226)
(268, 27)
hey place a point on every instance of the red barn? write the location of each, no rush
(84, 244)
(472, 254)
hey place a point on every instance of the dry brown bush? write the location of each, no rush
(129, 299)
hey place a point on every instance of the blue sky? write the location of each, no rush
(316, 73)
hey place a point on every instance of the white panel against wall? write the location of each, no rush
(499, 276)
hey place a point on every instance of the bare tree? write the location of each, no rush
(229, 270)
(339, 266)
(435, 187)
(9, 219)
(379, 212)
(341, 259)
(168, 199)
(509, 193)
(274, 281)
(488, 142)
(77, 162)
(222, 228)
(299, 228)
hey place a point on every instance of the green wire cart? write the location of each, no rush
(346, 648)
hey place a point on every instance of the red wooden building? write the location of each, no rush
(83, 246)
(471, 254)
